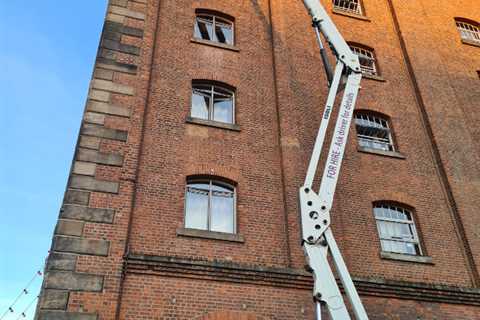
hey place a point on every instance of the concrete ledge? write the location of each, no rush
(88, 155)
(214, 124)
(90, 183)
(471, 42)
(69, 228)
(87, 214)
(406, 257)
(61, 261)
(60, 315)
(77, 197)
(102, 132)
(54, 299)
(205, 234)
(390, 154)
(351, 15)
(81, 246)
(73, 281)
(215, 44)
(107, 108)
(112, 87)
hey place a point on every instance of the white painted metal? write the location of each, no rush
(315, 208)
(331, 33)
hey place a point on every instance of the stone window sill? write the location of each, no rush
(391, 154)
(211, 123)
(372, 77)
(351, 15)
(471, 42)
(205, 234)
(215, 44)
(406, 257)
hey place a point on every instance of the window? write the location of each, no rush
(368, 63)
(213, 102)
(469, 30)
(210, 205)
(350, 6)
(396, 229)
(214, 28)
(373, 132)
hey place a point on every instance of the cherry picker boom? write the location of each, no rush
(317, 236)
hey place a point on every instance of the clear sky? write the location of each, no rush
(47, 51)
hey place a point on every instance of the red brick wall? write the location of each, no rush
(427, 87)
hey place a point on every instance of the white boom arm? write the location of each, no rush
(317, 236)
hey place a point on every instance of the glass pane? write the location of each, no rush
(201, 102)
(196, 207)
(224, 33)
(222, 106)
(222, 210)
(204, 28)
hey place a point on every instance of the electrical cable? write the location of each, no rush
(24, 313)
(24, 292)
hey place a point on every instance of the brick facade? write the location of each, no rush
(120, 249)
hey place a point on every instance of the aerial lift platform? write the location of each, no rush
(317, 237)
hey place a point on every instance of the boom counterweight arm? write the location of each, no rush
(317, 236)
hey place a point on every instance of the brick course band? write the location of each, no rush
(292, 278)
(59, 315)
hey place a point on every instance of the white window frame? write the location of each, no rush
(468, 31)
(350, 6)
(212, 94)
(369, 55)
(366, 119)
(224, 21)
(210, 182)
(414, 239)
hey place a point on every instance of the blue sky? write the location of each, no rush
(47, 51)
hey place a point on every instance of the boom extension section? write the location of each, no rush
(317, 236)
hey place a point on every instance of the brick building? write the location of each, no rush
(200, 119)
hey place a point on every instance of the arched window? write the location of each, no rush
(210, 205)
(213, 101)
(396, 228)
(350, 6)
(368, 61)
(373, 131)
(469, 30)
(214, 26)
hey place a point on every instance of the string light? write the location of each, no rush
(24, 313)
(23, 293)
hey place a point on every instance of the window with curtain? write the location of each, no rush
(210, 205)
(396, 229)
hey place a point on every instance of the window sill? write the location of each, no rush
(406, 257)
(211, 123)
(372, 77)
(215, 44)
(391, 154)
(351, 15)
(204, 234)
(471, 42)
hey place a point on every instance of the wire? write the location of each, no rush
(24, 292)
(24, 313)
